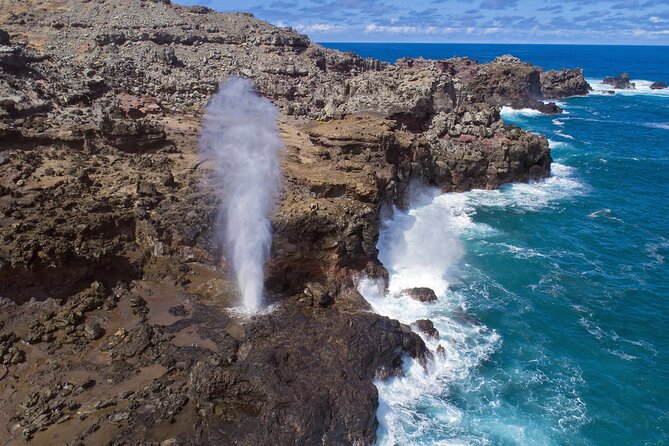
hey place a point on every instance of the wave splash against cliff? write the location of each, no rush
(239, 133)
(424, 247)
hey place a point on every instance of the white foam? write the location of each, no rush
(508, 112)
(560, 104)
(423, 247)
(657, 125)
(604, 212)
(564, 135)
(532, 196)
(642, 87)
(556, 144)
(247, 313)
(655, 250)
(520, 252)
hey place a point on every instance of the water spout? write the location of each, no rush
(239, 132)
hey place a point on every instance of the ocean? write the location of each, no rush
(553, 296)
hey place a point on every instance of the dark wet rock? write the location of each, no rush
(4, 37)
(658, 86)
(178, 310)
(426, 326)
(421, 294)
(261, 390)
(621, 82)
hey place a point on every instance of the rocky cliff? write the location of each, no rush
(115, 324)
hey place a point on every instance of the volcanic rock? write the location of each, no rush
(658, 86)
(4, 37)
(112, 235)
(621, 82)
(93, 331)
(563, 83)
(426, 326)
(421, 294)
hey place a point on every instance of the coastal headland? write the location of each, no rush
(115, 320)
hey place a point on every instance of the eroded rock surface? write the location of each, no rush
(115, 321)
(621, 82)
(563, 83)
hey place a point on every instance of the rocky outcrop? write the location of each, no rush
(621, 82)
(421, 294)
(557, 84)
(298, 389)
(658, 86)
(426, 326)
(506, 81)
(109, 264)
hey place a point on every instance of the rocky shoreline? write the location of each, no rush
(115, 325)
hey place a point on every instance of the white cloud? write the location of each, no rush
(645, 32)
(320, 28)
(656, 19)
(399, 29)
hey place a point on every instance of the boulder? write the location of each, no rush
(426, 326)
(421, 294)
(621, 82)
(556, 84)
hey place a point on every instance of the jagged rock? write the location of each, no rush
(658, 86)
(563, 83)
(426, 326)
(93, 331)
(117, 95)
(9, 353)
(340, 395)
(621, 82)
(317, 294)
(421, 294)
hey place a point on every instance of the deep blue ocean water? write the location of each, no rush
(553, 303)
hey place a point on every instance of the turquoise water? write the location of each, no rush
(553, 297)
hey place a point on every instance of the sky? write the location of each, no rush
(477, 21)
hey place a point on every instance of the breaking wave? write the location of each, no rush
(424, 247)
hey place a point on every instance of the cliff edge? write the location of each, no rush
(115, 321)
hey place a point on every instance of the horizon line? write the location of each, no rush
(491, 43)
